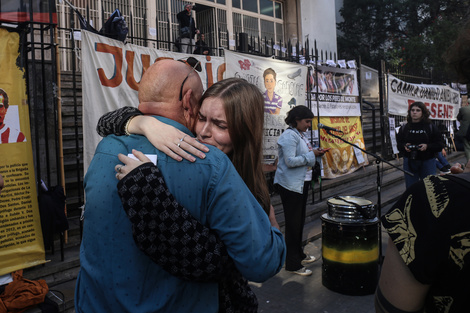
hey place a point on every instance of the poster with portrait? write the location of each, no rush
(283, 86)
(21, 242)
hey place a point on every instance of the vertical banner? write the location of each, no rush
(283, 86)
(111, 72)
(21, 243)
(342, 158)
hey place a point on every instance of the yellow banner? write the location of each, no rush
(21, 243)
(342, 158)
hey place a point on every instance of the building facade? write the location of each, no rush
(153, 23)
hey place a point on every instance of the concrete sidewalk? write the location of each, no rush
(287, 292)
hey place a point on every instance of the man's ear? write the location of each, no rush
(188, 105)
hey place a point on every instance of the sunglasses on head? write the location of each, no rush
(195, 66)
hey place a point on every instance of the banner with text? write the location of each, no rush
(111, 72)
(342, 158)
(21, 242)
(338, 92)
(283, 85)
(443, 102)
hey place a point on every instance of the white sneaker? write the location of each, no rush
(309, 259)
(302, 272)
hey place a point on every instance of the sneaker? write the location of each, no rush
(309, 259)
(302, 272)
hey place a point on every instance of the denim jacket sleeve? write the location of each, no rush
(295, 151)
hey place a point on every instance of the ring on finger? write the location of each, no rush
(182, 139)
(119, 169)
(179, 144)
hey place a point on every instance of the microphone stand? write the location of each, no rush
(378, 159)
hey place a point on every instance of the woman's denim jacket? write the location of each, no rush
(294, 160)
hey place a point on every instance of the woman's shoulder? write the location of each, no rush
(289, 134)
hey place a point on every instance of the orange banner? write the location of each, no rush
(21, 243)
(342, 158)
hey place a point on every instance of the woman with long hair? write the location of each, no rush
(231, 119)
(419, 140)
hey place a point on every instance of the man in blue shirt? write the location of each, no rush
(116, 276)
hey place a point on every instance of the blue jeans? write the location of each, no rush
(420, 169)
(441, 161)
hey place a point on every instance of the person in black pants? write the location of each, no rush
(187, 29)
(292, 179)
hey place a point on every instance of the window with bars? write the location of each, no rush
(258, 18)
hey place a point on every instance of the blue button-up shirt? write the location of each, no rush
(115, 276)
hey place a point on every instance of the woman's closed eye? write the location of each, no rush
(201, 118)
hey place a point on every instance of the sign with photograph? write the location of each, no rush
(283, 85)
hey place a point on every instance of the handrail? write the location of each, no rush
(374, 144)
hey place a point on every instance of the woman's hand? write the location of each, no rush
(272, 218)
(423, 147)
(129, 163)
(171, 141)
(319, 152)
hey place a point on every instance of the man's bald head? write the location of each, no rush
(159, 91)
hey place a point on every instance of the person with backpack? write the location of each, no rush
(419, 141)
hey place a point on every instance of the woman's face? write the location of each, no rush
(212, 127)
(304, 124)
(416, 114)
(269, 82)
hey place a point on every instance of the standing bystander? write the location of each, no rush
(293, 178)
(187, 29)
(419, 140)
(464, 118)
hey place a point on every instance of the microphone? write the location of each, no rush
(320, 125)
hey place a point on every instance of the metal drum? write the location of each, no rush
(350, 246)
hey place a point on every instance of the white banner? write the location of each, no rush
(338, 92)
(442, 102)
(283, 85)
(111, 72)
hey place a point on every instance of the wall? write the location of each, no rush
(318, 19)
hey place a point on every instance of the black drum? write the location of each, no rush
(350, 246)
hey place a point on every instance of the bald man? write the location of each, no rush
(116, 276)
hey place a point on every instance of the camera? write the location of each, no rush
(414, 151)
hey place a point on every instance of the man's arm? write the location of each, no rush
(166, 231)
(398, 285)
(257, 249)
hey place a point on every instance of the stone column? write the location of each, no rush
(291, 21)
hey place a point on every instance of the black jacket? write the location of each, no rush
(186, 20)
(418, 133)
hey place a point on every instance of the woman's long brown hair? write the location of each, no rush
(244, 110)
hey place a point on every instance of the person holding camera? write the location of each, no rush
(419, 141)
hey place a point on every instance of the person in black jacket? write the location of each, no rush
(201, 46)
(419, 140)
(187, 29)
